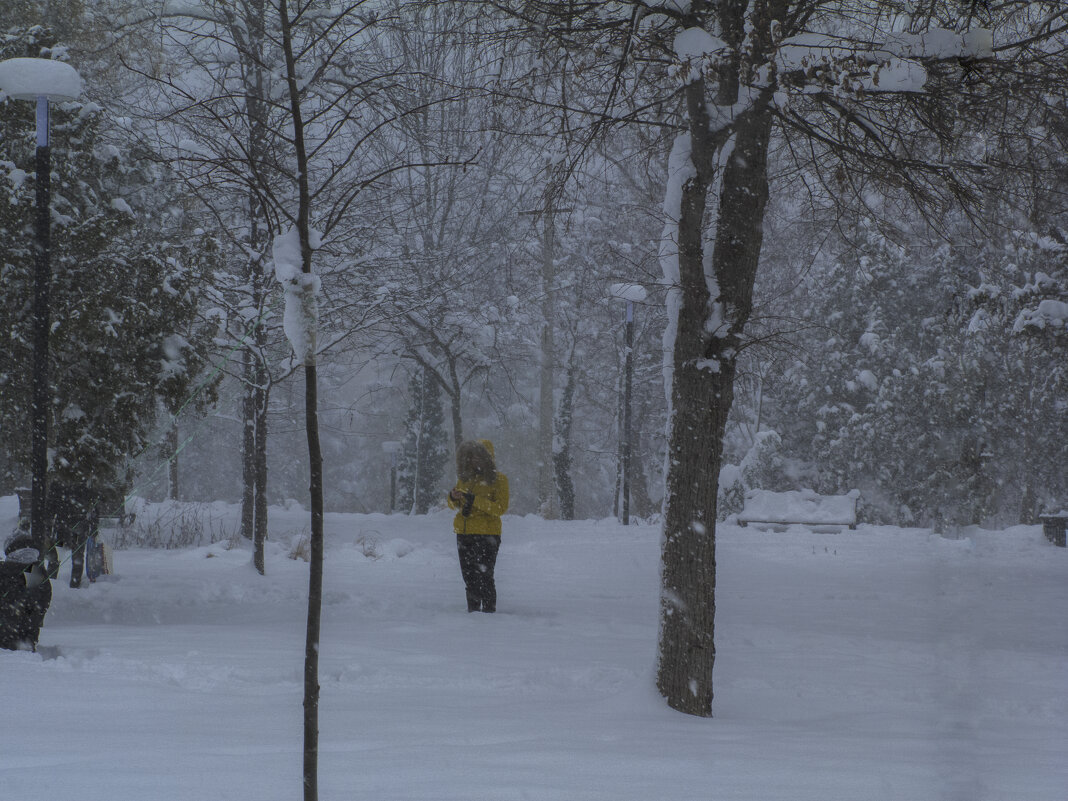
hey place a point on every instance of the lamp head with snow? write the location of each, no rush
(629, 294)
(635, 293)
(42, 80)
(31, 78)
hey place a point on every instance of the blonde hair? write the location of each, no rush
(474, 462)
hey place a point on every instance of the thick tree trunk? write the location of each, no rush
(688, 550)
(705, 352)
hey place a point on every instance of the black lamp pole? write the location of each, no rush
(628, 378)
(42, 276)
(393, 482)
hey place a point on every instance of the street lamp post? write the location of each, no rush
(631, 294)
(392, 448)
(41, 81)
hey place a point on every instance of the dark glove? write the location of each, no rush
(469, 502)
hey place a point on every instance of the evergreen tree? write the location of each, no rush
(934, 378)
(425, 449)
(1018, 335)
(878, 399)
(122, 298)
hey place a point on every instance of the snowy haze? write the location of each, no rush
(885, 664)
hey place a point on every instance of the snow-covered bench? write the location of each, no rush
(805, 507)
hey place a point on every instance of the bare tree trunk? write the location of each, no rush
(546, 496)
(172, 461)
(565, 486)
(248, 447)
(706, 347)
(315, 456)
(417, 479)
(617, 493)
(451, 384)
(259, 399)
(260, 475)
(249, 34)
(454, 394)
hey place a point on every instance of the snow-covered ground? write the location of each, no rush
(878, 664)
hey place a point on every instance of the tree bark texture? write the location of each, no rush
(705, 354)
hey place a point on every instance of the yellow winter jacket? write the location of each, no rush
(491, 501)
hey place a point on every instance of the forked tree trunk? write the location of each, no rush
(705, 354)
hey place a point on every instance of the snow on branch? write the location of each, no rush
(29, 78)
(680, 170)
(1049, 314)
(301, 318)
(807, 50)
(697, 51)
(895, 64)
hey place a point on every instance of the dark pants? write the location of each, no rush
(77, 556)
(478, 555)
(76, 517)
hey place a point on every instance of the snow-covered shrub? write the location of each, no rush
(731, 497)
(763, 466)
(301, 547)
(170, 526)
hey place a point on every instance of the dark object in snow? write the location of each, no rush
(804, 507)
(478, 557)
(25, 594)
(1054, 526)
(97, 558)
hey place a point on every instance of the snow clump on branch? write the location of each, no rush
(301, 319)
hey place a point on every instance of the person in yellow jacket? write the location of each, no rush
(481, 497)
